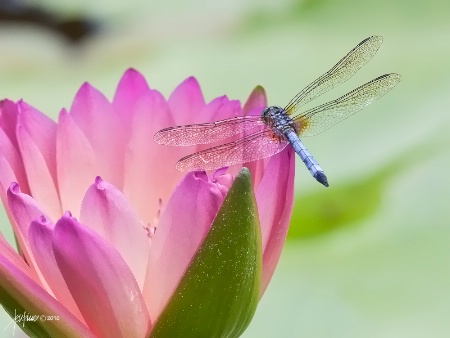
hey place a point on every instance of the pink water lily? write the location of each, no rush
(111, 238)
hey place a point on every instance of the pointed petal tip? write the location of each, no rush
(201, 175)
(259, 90)
(131, 75)
(7, 101)
(220, 172)
(187, 99)
(63, 113)
(131, 71)
(85, 93)
(191, 83)
(14, 188)
(191, 79)
(99, 183)
(84, 89)
(21, 105)
(256, 100)
(132, 86)
(67, 215)
(85, 86)
(42, 219)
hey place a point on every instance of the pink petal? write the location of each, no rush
(221, 108)
(24, 210)
(36, 301)
(42, 131)
(258, 170)
(181, 230)
(131, 88)
(147, 162)
(218, 109)
(186, 102)
(12, 156)
(254, 105)
(275, 198)
(256, 102)
(6, 177)
(106, 210)
(102, 125)
(9, 112)
(223, 180)
(100, 281)
(37, 144)
(76, 160)
(40, 177)
(7, 251)
(40, 238)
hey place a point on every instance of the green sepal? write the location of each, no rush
(26, 303)
(218, 295)
(33, 328)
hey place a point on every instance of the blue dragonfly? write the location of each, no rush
(269, 133)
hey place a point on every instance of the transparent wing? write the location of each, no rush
(318, 119)
(258, 145)
(340, 73)
(206, 132)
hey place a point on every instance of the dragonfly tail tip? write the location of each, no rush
(321, 178)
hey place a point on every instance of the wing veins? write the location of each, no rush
(223, 155)
(206, 133)
(346, 105)
(339, 73)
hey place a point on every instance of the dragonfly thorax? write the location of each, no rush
(278, 120)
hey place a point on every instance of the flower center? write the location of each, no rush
(151, 227)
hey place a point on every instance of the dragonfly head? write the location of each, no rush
(271, 113)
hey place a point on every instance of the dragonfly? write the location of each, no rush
(275, 128)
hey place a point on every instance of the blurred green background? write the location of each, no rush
(367, 257)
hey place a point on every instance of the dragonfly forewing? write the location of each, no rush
(340, 73)
(206, 133)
